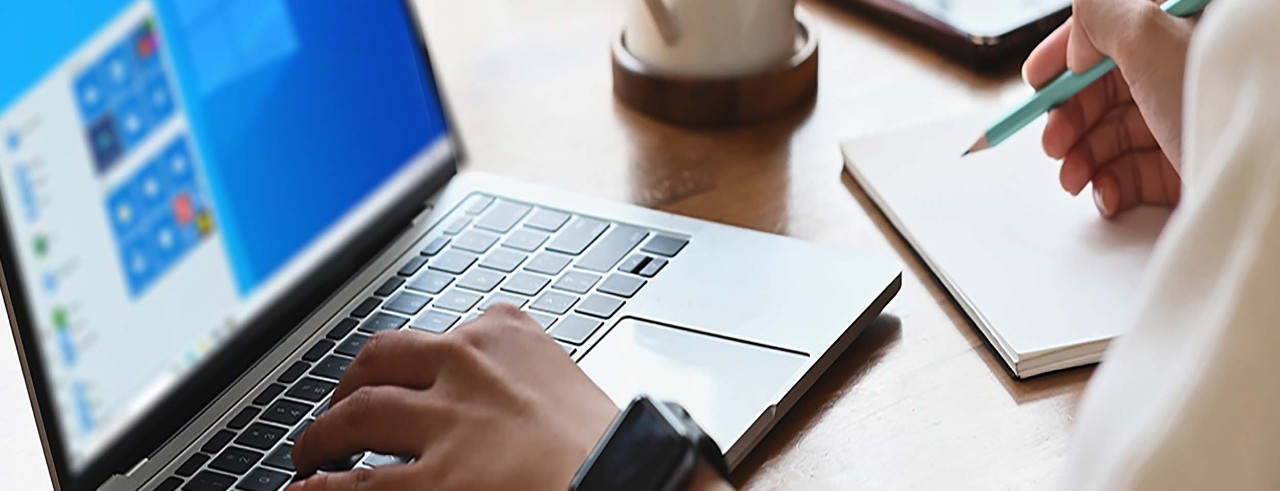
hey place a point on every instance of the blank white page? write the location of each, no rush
(1041, 273)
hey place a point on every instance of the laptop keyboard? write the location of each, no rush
(570, 273)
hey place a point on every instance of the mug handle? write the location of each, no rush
(665, 20)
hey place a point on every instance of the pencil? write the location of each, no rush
(1064, 87)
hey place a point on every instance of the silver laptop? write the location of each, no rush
(210, 205)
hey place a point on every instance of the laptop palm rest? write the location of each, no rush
(725, 384)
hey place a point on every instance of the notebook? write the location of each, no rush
(1047, 280)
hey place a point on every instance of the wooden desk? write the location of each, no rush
(918, 402)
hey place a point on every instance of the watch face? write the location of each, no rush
(641, 454)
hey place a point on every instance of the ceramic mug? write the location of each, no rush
(711, 38)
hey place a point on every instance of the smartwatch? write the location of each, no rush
(651, 446)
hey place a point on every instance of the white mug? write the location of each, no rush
(711, 38)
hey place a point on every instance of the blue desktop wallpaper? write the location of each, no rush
(299, 109)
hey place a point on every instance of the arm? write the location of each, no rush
(1187, 398)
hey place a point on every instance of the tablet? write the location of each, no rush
(980, 33)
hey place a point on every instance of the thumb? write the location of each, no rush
(1115, 28)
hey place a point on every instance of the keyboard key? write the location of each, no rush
(285, 412)
(665, 245)
(412, 266)
(407, 303)
(352, 345)
(457, 225)
(453, 261)
(332, 367)
(268, 394)
(192, 465)
(601, 306)
(578, 236)
(481, 280)
(548, 263)
(498, 298)
(503, 215)
(235, 460)
(297, 432)
(243, 418)
(526, 284)
(554, 302)
(430, 282)
(526, 240)
(210, 481)
(634, 264)
(434, 246)
(549, 220)
(382, 321)
(650, 270)
(281, 457)
(458, 301)
(376, 460)
(311, 389)
(434, 321)
(263, 480)
(217, 442)
(543, 320)
(388, 287)
(503, 260)
(170, 484)
(318, 350)
(477, 241)
(575, 329)
(612, 248)
(261, 436)
(341, 329)
(476, 204)
(576, 282)
(622, 285)
(365, 308)
(293, 372)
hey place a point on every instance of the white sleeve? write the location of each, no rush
(1189, 398)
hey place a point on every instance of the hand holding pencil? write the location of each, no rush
(1122, 133)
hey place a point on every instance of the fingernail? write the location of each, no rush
(1101, 201)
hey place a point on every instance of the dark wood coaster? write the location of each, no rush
(719, 102)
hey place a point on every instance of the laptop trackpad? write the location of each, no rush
(724, 384)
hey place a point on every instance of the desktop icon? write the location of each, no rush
(40, 244)
(13, 141)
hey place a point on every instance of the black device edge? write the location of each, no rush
(985, 54)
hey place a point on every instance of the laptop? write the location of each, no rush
(208, 206)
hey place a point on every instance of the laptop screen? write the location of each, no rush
(169, 168)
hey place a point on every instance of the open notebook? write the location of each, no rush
(1040, 273)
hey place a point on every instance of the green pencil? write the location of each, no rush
(1065, 87)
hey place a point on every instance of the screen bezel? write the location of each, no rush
(152, 429)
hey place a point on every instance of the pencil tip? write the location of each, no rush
(978, 146)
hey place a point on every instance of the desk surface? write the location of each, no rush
(918, 402)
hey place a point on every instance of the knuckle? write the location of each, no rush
(458, 347)
(505, 310)
(362, 479)
(357, 407)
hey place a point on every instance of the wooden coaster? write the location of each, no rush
(719, 102)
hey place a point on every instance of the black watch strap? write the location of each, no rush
(651, 446)
(707, 448)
